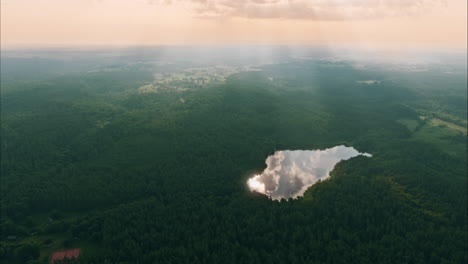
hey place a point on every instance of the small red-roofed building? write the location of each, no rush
(59, 256)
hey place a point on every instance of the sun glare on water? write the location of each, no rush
(255, 184)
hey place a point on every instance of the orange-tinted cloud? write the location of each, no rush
(307, 9)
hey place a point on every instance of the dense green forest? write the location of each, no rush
(88, 160)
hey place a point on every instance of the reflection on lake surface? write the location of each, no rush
(290, 172)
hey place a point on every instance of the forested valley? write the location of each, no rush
(91, 160)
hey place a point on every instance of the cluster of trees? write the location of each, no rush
(163, 181)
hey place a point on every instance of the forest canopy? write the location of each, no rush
(141, 158)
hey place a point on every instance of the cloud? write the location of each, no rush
(305, 9)
(289, 173)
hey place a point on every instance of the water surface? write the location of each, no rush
(290, 172)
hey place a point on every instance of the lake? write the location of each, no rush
(290, 172)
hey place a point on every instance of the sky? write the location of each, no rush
(375, 24)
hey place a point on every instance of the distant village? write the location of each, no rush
(192, 78)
